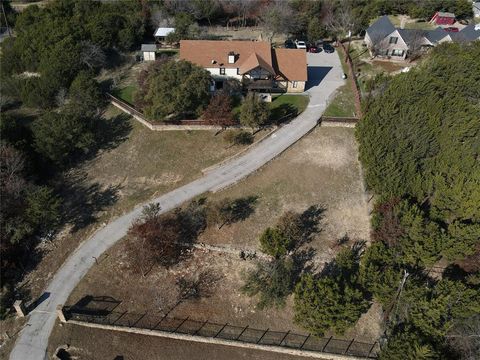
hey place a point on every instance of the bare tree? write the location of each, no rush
(415, 44)
(92, 55)
(465, 338)
(277, 18)
(339, 19)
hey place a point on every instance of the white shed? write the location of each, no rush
(162, 32)
(148, 52)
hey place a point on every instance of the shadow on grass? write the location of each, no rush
(82, 201)
(282, 114)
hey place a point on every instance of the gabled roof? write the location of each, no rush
(149, 47)
(444, 14)
(290, 64)
(380, 28)
(254, 61)
(436, 35)
(412, 35)
(203, 52)
(470, 33)
(163, 31)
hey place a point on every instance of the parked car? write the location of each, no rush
(328, 48)
(313, 49)
(451, 29)
(289, 44)
(301, 44)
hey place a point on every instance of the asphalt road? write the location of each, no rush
(324, 74)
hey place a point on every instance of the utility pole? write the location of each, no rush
(6, 21)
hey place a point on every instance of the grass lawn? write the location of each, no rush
(126, 93)
(343, 104)
(321, 169)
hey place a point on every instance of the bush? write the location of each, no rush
(273, 242)
(238, 138)
(272, 282)
(254, 112)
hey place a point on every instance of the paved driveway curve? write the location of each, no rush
(324, 78)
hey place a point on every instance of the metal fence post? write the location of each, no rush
(223, 327)
(201, 327)
(325, 346)
(261, 337)
(371, 349)
(179, 326)
(286, 334)
(348, 347)
(238, 337)
(305, 341)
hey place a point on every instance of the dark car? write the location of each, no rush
(313, 49)
(328, 48)
(289, 44)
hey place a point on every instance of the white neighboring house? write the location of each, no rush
(149, 52)
(162, 32)
(384, 40)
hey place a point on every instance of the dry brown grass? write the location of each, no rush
(322, 169)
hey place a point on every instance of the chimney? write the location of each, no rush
(231, 57)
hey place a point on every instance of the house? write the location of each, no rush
(476, 9)
(162, 32)
(443, 18)
(254, 63)
(384, 40)
(149, 52)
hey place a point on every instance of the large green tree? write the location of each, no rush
(179, 87)
(334, 301)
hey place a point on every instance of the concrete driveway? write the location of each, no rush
(324, 72)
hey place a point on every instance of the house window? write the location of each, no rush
(238, 71)
(222, 71)
(396, 52)
(294, 84)
(393, 39)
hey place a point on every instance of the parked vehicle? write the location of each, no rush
(301, 44)
(289, 44)
(313, 49)
(451, 29)
(328, 48)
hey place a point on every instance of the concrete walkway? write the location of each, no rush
(324, 78)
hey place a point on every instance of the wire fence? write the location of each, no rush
(224, 331)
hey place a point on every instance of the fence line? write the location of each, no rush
(354, 82)
(160, 323)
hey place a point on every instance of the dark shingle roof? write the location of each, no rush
(470, 33)
(436, 35)
(380, 28)
(412, 35)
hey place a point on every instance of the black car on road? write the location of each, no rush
(289, 44)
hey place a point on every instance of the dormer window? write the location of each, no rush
(231, 57)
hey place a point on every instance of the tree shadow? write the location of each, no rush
(83, 200)
(242, 208)
(302, 261)
(109, 133)
(310, 224)
(282, 114)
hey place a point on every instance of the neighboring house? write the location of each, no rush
(476, 9)
(162, 32)
(443, 18)
(149, 52)
(254, 63)
(384, 40)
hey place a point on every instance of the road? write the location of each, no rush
(324, 74)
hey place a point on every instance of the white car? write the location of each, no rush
(300, 45)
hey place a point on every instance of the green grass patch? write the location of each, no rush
(343, 105)
(285, 107)
(126, 93)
